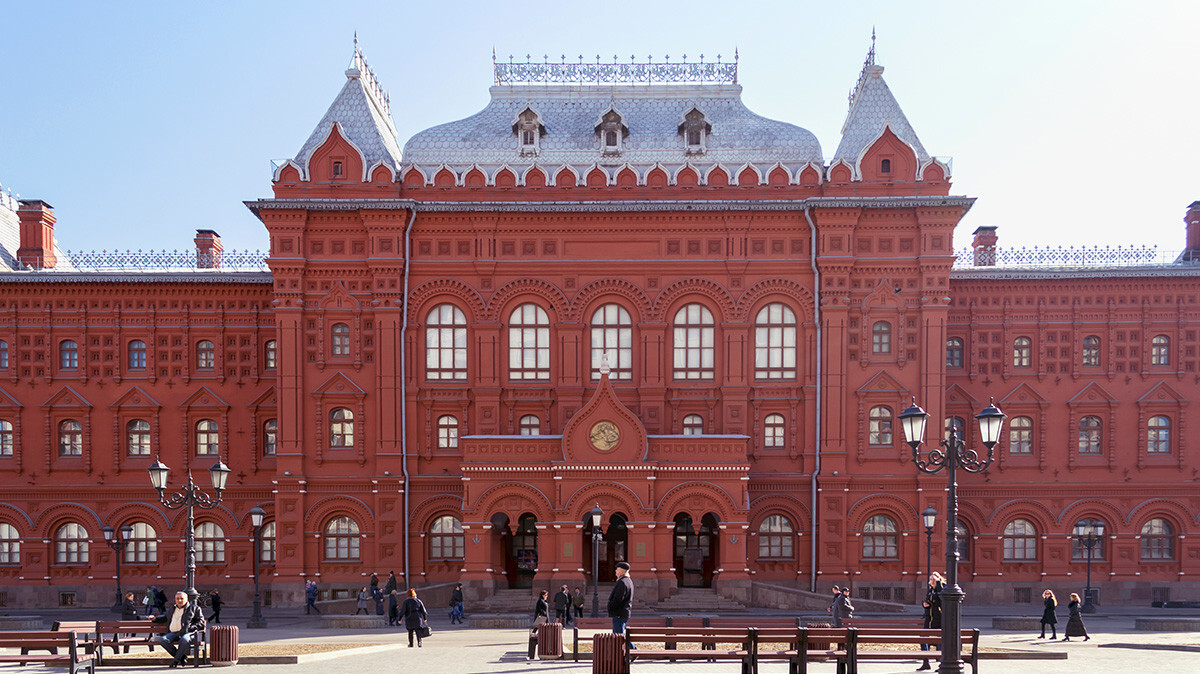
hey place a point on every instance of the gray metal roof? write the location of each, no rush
(361, 112)
(873, 108)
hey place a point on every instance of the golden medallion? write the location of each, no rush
(604, 435)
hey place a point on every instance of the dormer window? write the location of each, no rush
(612, 131)
(885, 166)
(337, 169)
(695, 129)
(529, 130)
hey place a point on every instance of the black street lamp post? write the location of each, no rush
(188, 497)
(256, 521)
(118, 544)
(953, 455)
(596, 513)
(929, 515)
(1088, 541)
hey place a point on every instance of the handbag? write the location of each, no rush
(423, 631)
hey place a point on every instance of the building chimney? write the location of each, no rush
(37, 234)
(1193, 230)
(985, 246)
(208, 249)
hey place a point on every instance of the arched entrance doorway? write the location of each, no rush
(518, 548)
(696, 550)
(614, 537)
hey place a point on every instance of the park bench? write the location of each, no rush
(605, 624)
(85, 635)
(125, 633)
(73, 656)
(913, 637)
(907, 623)
(745, 640)
(803, 645)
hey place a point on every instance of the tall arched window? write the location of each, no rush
(775, 342)
(70, 438)
(10, 544)
(446, 538)
(529, 424)
(1158, 435)
(1089, 435)
(529, 343)
(954, 352)
(270, 436)
(7, 438)
(1091, 351)
(1082, 529)
(210, 543)
(208, 439)
(694, 348)
(137, 355)
(68, 355)
(1158, 540)
(341, 539)
(340, 342)
(446, 344)
(1160, 350)
(137, 437)
(1020, 541)
(71, 544)
(1022, 352)
(693, 424)
(612, 336)
(341, 428)
(879, 426)
(206, 355)
(1020, 436)
(270, 354)
(773, 431)
(775, 538)
(143, 545)
(447, 431)
(879, 539)
(881, 338)
(266, 546)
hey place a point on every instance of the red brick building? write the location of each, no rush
(613, 286)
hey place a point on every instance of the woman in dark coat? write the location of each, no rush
(128, 608)
(1048, 617)
(541, 610)
(1075, 626)
(414, 615)
(933, 610)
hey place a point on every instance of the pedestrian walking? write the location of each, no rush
(456, 605)
(577, 602)
(837, 592)
(148, 600)
(1075, 626)
(391, 585)
(310, 597)
(128, 607)
(364, 596)
(415, 618)
(933, 610)
(393, 610)
(377, 597)
(1048, 617)
(620, 600)
(842, 608)
(214, 600)
(562, 606)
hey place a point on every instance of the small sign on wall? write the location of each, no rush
(568, 549)
(639, 548)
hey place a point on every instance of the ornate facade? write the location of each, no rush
(613, 286)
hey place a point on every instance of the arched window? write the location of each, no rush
(775, 538)
(71, 544)
(954, 352)
(612, 335)
(773, 431)
(881, 338)
(143, 545)
(7, 438)
(3, 355)
(694, 343)
(1091, 351)
(879, 427)
(446, 538)
(447, 432)
(1083, 527)
(270, 436)
(68, 355)
(1020, 436)
(775, 342)
(693, 424)
(270, 354)
(964, 542)
(137, 437)
(1020, 541)
(341, 539)
(879, 539)
(10, 544)
(1089, 435)
(210, 543)
(529, 343)
(340, 342)
(1158, 435)
(1022, 352)
(208, 439)
(341, 428)
(694, 129)
(955, 424)
(70, 438)
(529, 425)
(1160, 350)
(446, 344)
(1158, 540)
(137, 355)
(266, 546)
(206, 355)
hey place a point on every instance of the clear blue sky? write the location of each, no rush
(1072, 122)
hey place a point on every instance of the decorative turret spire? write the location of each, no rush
(359, 68)
(862, 76)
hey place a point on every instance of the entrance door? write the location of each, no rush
(523, 558)
(695, 551)
(613, 547)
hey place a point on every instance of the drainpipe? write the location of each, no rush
(404, 387)
(812, 228)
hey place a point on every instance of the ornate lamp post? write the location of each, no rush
(596, 514)
(929, 517)
(953, 455)
(188, 497)
(256, 521)
(118, 544)
(1088, 540)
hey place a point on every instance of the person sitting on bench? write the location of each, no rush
(185, 624)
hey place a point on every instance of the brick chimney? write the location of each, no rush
(1193, 229)
(985, 246)
(37, 234)
(208, 249)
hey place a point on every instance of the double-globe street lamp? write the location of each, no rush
(256, 522)
(118, 545)
(953, 455)
(1088, 538)
(188, 497)
(596, 513)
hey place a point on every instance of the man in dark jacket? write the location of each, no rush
(620, 602)
(456, 605)
(562, 606)
(185, 622)
(842, 608)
